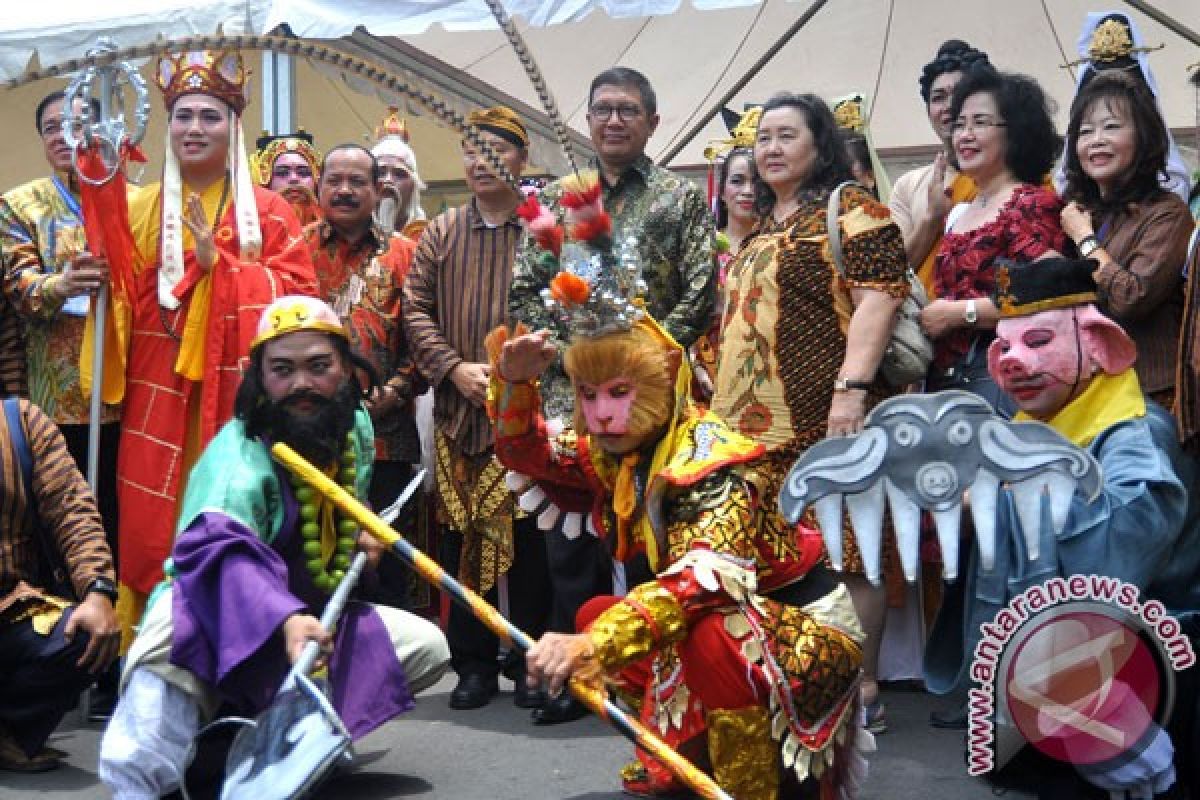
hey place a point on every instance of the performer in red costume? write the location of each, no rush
(213, 251)
(732, 638)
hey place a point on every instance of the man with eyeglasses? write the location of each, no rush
(666, 219)
(923, 197)
(49, 276)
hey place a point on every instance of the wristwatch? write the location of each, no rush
(846, 384)
(105, 587)
(970, 313)
(1088, 245)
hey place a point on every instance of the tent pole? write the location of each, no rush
(704, 119)
(1166, 20)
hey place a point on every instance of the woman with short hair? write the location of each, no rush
(1004, 140)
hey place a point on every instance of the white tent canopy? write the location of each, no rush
(690, 52)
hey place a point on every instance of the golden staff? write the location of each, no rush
(595, 699)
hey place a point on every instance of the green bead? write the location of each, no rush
(325, 583)
(341, 561)
(347, 476)
(347, 527)
(308, 512)
(337, 577)
(305, 494)
(312, 548)
(310, 530)
(349, 457)
(346, 543)
(316, 566)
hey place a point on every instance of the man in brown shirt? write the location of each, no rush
(51, 648)
(456, 292)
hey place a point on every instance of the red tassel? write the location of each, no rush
(106, 215)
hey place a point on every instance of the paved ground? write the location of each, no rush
(496, 754)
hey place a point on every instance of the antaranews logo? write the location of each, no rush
(1080, 667)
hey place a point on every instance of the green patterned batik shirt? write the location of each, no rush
(667, 216)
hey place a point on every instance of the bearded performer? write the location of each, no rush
(400, 183)
(290, 166)
(213, 251)
(257, 557)
(731, 638)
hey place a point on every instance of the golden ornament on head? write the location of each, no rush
(848, 113)
(1111, 40)
(392, 125)
(270, 148)
(742, 135)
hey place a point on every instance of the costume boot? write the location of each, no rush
(745, 759)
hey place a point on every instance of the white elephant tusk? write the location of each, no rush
(829, 519)
(906, 519)
(866, 518)
(1027, 496)
(947, 523)
(1062, 491)
(985, 491)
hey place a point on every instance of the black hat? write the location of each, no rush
(1027, 288)
(266, 138)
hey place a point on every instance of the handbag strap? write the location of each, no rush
(834, 230)
(24, 457)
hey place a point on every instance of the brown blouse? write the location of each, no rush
(1143, 290)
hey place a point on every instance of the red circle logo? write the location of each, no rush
(1083, 687)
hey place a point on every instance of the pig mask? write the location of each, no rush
(1046, 359)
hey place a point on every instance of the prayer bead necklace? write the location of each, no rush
(313, 525)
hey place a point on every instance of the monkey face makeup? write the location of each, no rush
(624, 388)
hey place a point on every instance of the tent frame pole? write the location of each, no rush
(705, 118)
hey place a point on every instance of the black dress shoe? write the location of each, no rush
(564, 708)
(524, 697)
(473, 691)
(954, 719)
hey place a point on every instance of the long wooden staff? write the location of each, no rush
(595, 699)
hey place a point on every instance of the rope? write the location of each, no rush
(535, 77)
(887, 37)
(293, 47)
(1058, 41)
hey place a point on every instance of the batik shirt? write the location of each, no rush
(667, 216)
(41, 230)
(363, 282)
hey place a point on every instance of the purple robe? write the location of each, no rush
(232, 593)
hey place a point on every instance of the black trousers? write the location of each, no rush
(106, 494)
(473, 648)
(582, 568)
(392, 580)
(39, 681)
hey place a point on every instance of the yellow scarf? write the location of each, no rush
(145, 223)
(1107, 400)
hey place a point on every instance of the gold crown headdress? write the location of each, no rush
(1111, 40)
(392, 125)
(271, 148)
(850, 113)
(220, 74)
(742, 135)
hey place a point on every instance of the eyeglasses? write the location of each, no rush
(604, 113)
(981, 123)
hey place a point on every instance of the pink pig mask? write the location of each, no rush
(607, 406)
(1046, 359)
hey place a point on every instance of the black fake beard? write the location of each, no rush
(318, 435)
